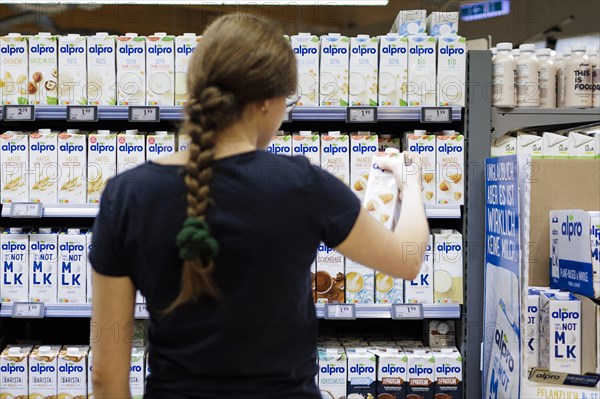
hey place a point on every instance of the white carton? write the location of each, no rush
(555, 145)
(43, 167)
(14, 184)
(364, 70)
(391, 372)
(410, 22)
(440, 334)
(420, 290)
(448, 373)
(72, 167)
(335, 155)
(281, 144)
(421, 372)
(185, 46)
(450, 160)
(102, 69)
(90, 385)
(88, 285)
(421, 70)
(131, 69)
(360, 283)
(15, 265)
(137, 372)
(582, 146)
(451, 71)
(362, 373)
(388, 289)
(505, 145)
(560, 332)
(308, 144)
(424, 144)
(447, 266)
(381, 196)
(148, 370)
(363, 146)
(333, 78)
(532, 328)
(332, 372)
(102, 163)
(442, 23)
(14, 368)
(14, 67)
(131, 150)
(388, 141)
(393, 70)
(306, 48)
(43, 69)
(159, 144)
(43, 269)
(160, 67)
(329, 280)
(72, 70)
(43, 371)
(183, 142)
(72, 372)
(72, 256)
(529, 144)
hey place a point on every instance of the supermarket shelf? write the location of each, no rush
(71, 310)
(507, 120)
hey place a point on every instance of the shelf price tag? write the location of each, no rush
(436, 114)
(82, 113)
(28, 310)
(141, 309)
(21, 113)
(340, 311)
(287, 118)
(361, 115)
(144, 114)
(407, 311)
(26, 210)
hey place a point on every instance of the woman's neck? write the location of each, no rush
(235, 139)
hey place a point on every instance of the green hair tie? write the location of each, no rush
(195, 241)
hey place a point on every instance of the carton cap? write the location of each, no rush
(305, 133)
(331, 351)
(392, 351)
(504, 46)
(44, 131)
(44, 349)
(131, 132)
(447, 350)
(448, 132)
(335, 35)
(419, 351)
(562, 296)
(304, 34)
(544, 52)
(73, 35)
(362, 36)
(392, 35)
(361, 350)
(579, 47)
(134, 350)
(527, 47)
(335, 134)
(391, 150)
(385, 136)
(101, 34)
(189, 35)
(45, 230)
(15, 230)
(14, 35)
(72, 131)
(160, 34)
(103, 131)
(161, 133)
(15, 350)
(420, 132)
(44, 34)
(73, 232)
(73, 351)
(516, 52)
(446, 231)
(131, 34)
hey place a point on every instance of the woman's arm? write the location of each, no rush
(111, 334)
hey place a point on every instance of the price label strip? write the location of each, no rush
(436, 114)
(141, 310)
(28, 310)
(82, 113)
(340, 311)
(19, 113)
(407, 311)
(144, 114)
(361, 115)
(287, 118)
(26, 210)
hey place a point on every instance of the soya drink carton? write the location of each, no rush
(420, 290)
(14, 182)
(43, 166)
(102, 163)
(72, 256)
(306, 48)
(335, 157)
(72, 166)
(451, 71)
(43, 266)
(422, 143)
(333, 81)
(364, 70)
(43, 371)
(393, 70)
(102, 71)
(160, 67)
(308, 144)
(131, 150)
(14, 365)
(43, 69)
(185, 46)
(421, 70)
(72, 70)
(14, 69)
(72, 372)
(159, 144)
(447, 266)
(131, 69)
(450, 158)
(15, 265)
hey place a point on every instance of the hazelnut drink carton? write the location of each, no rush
(14, 368)
(43, 371)
(43, 69)
(72, 255)
(131, 69)
(450, 159)
(102, 69)
(14, 182)
(102, 163)
(43, 266)
(422, 143)
(14, 69)
(333, 80)
(72, 166)
(72, 372)
(335, 155)
(15, 265)
(43, 167)
(72, 70)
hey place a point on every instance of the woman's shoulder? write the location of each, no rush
(145, 179)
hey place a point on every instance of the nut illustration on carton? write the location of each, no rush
(381, 196)
(451, 165)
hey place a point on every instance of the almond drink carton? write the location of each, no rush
(72, 257)
(14, 365)
(185, 45)
(381, 196)
(72, 70)
(450, 159)
(447, 267)
(102, 69)
(43, 69)
(160, 67)
(131, 69)
(43, 166)
(43, 371)
(335, 157)
(333, 80)
(422, 143)
(15, 265)
(72, 164)
(14, 69)
(281, 144)
(72, 372)
(43, 269)
(363, 146)
(102, 163)
(14, 184)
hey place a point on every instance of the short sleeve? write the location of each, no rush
(336, 206)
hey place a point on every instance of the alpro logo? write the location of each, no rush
(447, 369)
(393, 369)
(12, 50)
(532, 309)
(421, 50)
(69, 148)
(159, 50)
(362, 369)
(450, 50)
(334, 149)
(420, 369)
(41, 148)
(159, 148)
(69, 369)
(41, 369)
(136, 369)
(501, 341)
(302, 51)
(332, 369)
(43, 246)
(71, 50)
(13, 246)
(186, 49)
(569, 228)
(564, 314)
(131, 49)
(100, 148)
(393, 50)
(277, 148)
(10, 147)
(334, 50)
(449, 149)
(41, 49)
(11, 369)
(71, 247)
(129, 148)
(449, 247)
(362, 51)
(361, 148)
(305, 149)
(325, 248)
(420, 148)
(547, 376)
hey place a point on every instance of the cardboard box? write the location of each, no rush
(440, 333)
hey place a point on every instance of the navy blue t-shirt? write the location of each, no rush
(269, 214)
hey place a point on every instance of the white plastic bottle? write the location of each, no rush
(578, 79)
(547, 78)
(528, 77)
(595, 61)
(515, 53)
(504, 71)
(559, 64)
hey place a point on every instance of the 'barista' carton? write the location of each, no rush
(306, 48)
(14, 365)
(14, 68)
(582, 145)
(362, 373)
(333, 79)
(555, 145)
(281, 144)
(14, 181)
(391, 372)
(72, 70)
(43, 371)
(308, 144)
(393, 70)
(448, 373)
(360, 283)
(421, 70)
(410, 22)
(505, 145)
(102, 163)
(131, 150)
(90, 385)
(447, 266)
(332, 372)
(529, 144)
(43, 69)
(329, 279)
(131, 69)
(88, 286)
(160, 67)
(137, 372)
(43, 167)
(43, 269)
(381, 196)
(335, 155)
(159, 144)
(420, 290)
(72, 166)
(450, 158)
(72, 372)
(451, 71)
(532, 328)
(442, 23)
(15, 265)
(364, 65)
(72, 257)
(424, 144)
(421, 373)
(185, 46)
(363, 146)
(102, 69)
(388, 141)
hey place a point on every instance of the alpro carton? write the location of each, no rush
(381, 196)
(422, 143)
(560, 332)
(529, 144)
(88, 286)
(102, 69)
(335, 155)
(333, 79)
(388, 141)
(308, 144)
(183, 142)
(72, 167)
(43, 371)
(410, 22)
(43, 69)
(448, 373)
(364, 70)
(505, 145)
(72, 70)
(131, 69)
(582, 146)
(421, 70)
(440, 334)
(391, 372)
(421, 373)
(281, 144)
(131, 150)
(442, 23)
(14, 70)
(14, 182)
(15, 265)
(160, 67)
(137, 372)
(185, 45)
(393, 70)
(72, 372)
(102, 163)
(332, 372)
(450, 158)
(532, 328)
(43, 266)
(362, 373)
(14, 371)
(43, 166)
(90, 385)
(447, 266)
(363, 146)
(360, 283)
(451, 71)
(159, 144)
(388, 289)
(329, 279)
(72, 257)
(555, 145)
(306, 48)
(420, 290)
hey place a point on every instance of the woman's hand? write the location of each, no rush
(407, 173)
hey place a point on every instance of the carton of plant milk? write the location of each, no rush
(560, 332)
(381, 197)
(420, 290)
(14, 182)
(360, 283)
(335, 157)
(333, 80)
(388, 289)
(102, 163)
(136, 375)
(72, 70)
(388, 141)
(329, 280)
(185, 46)
(43, 371)
(555, 145)
(332, 372)
(159, 144)
(15, 265)
(43, 167)
(424, 144)
(410, 22)
(148, 370)
(131, 150)
(102, 69)
(43, 69)
(529, 144)
(393, 70)
(131, 69)
(14, 68)
(281, 144)
(451, 71)
(442, 23)
(72, 256)
(448, 373)
(450, 159)
(306, 48)
(363, 146)
(90, 385)
(160, 67)
(421, 373)
(14, 368)
(440, 334)
(308, 144)
(364, 70)
(391, 373)
(43, 269)
(582, 145)
(532, 328)
(505, 145)
(421, 70)
(88, 285)
(447, 266)
(72, 372)
(362, 373)
(183, 142)
(72, 166)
